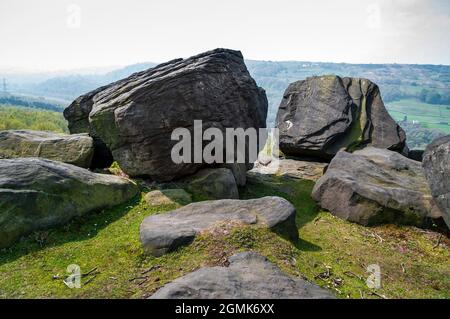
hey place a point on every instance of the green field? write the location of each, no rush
(428, 115)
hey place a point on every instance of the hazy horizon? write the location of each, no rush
(62, 35)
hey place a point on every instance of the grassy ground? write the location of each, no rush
(331, 252)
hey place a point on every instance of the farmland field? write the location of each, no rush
(430, 116)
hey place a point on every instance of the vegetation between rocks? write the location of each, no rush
(331, 252)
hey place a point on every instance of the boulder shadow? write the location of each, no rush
(78, 229)
(296, 191)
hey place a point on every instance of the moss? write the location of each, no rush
(355, 137)
(331, 252)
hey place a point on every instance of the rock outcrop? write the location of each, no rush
(165, 232)
(436, 163)
(39, 193)
(321, 115)
(76, 149)
(136, 116)
(375, 186)
(248, 276)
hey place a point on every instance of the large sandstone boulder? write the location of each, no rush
(136, 116)
(323, 114)
(374, 186)
(436, 163)
(165, 232)
(248, 276)
(39, 193)
(74, 149)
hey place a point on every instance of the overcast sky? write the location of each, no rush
(60, 34)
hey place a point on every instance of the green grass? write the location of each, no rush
(331, 252)
(18, 118)
(429, 115)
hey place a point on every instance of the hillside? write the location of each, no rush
(18, 118)
(419, 92)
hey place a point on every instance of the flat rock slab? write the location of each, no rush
(248, 276)
(323, 114)
(76, 149)
(292, 168)
(39, 193)
(375, 186)
(168, 197)
(165, 232)
(436, 163)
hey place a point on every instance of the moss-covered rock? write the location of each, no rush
(39, 193)
(76, 149)
(323, 114)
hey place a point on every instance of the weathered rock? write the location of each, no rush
(39, 193)
(74, 149)
(374, 186)
(168, 197)
(248, 276)
(239, 171)
(165, 232)
(293, 168)
(77, 114)
(321, 115)
(436, 163)
(135, 116)
(213, 183)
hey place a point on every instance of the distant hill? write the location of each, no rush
(396, 81)
(69, 87)
(419, 92)
(31, 102)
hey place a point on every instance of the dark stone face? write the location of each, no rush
(436, 163)
(135, 116)
(376, 186)
(321, 115)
